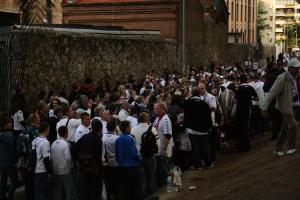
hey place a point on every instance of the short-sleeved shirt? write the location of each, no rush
(164, 127)
(81, 131)
(72, 126)
(61, 157)
(209, 99)
(42, 147)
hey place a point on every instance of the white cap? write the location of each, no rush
(293, 63)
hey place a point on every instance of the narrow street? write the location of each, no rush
(257, 174)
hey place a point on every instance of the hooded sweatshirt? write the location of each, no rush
(8, 153)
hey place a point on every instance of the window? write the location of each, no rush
(241, 13)
(245, 17)
(270, 18)
(232, 11)
(298, 10)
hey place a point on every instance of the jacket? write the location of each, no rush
(281, 89)
(197, 115)
(8, 153)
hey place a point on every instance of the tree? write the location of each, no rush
(261, 18)
(36, 11)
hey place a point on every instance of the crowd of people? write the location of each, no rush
(121, 142)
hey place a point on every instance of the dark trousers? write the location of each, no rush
(276, 121)
(148, 176)
(130, 179)
(90, 188)
(163, 169)
(201, 150)
(29, 186)
(112, 183)
(41, 186)
(257, 121)
(243, 142)
(182, 159)
(63, 187)
(4, 188)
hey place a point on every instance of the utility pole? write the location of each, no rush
(183, 36)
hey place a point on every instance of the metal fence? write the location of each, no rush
(12, 60)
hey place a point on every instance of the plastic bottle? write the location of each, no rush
(169, 184)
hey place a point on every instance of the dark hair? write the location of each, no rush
(57, 109)
(243, 78)
(111, 125)
(195, 91)
(41, 105)
(43, 127)
(96, 125)
(62, 131)
(85, 114)
(124, 125)
(4, 121)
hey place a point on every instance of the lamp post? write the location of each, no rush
(183, 36)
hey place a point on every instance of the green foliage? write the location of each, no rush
(36, 11)
(261, 17)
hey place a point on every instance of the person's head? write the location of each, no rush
(83, 101)
(63, 132)
(112, 125)
(195, 91)
(143, 117)
(202, 88)
(293, 66)
(160, 109)
(125, 105)
(85, 119)
(98, 110)
(44, 129)
(243, 79)
(97, 127)
(5, 123)
(180, 118)
(105, 115)
(58, 111)
(125, 126)
(42, 107)
(34, 119)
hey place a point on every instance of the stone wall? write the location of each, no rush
(56, 60)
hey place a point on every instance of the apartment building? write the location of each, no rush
(242, 21)
(287, 19)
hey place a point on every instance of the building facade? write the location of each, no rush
(9, 12)
(242, 21)
(287, 20)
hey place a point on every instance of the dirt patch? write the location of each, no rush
(254, 175)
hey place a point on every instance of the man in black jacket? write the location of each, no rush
(88, 152)
(197, 118)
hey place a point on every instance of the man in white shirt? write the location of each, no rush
(148, 164)
(19, 121)
(42, 147)
(62, 166)
(83, 128)
(123, 114)
(164, 128)
(69, 122)
(111, 176)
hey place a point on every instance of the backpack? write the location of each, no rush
(149, 146)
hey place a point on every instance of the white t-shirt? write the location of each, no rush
(61, 157)
(123, 114)
(212, 103)
(81, 131)
(109, 141)
(42, 147)
(133, 121)
(18, 118)
(138, 131)
(72, 126)
(164, 127)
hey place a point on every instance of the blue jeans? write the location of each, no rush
(148, 176)
(42, 186)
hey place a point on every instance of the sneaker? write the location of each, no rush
(211, 166)
(279, 153)
(291, 151)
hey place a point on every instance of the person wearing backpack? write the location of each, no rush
(43, 167)
(25, 152)
(8, 157)
(147, 143)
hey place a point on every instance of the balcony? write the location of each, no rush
(289, 14)
(279, 14)
(280, 22)
(279, 30)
